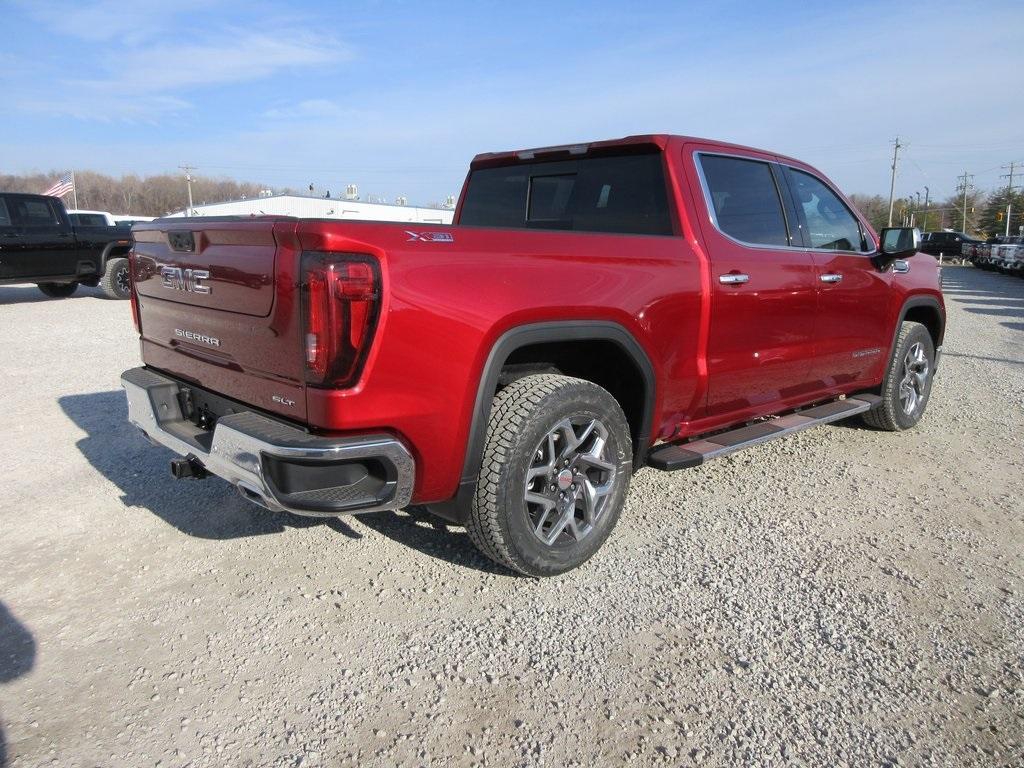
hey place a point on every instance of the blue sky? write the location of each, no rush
(397, 97)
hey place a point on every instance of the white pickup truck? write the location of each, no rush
(84, 218)
(1004, 255)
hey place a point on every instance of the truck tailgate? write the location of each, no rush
(218, 305)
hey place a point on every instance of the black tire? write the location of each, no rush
(522, 436)
(58, 290)
(914, 348)
(116, 280)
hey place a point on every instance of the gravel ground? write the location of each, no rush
(842, 597)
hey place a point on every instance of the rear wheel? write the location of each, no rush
(116, 281)
(555, 474)
(58, 290)
(908, 381)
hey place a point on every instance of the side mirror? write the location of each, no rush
(900, 242)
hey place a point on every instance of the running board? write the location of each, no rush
(673, 456)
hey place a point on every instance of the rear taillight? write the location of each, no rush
(340, 302)
(136, 315)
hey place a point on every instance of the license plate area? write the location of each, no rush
(203, 408)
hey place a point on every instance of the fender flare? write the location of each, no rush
(105, 253)
(539, 333)
(912, 303)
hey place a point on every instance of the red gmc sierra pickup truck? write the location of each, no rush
(596, 308)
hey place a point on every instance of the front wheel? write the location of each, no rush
(908, 381)
(116, 281)
(555, 474)
(58, 290)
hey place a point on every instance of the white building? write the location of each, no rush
(323, 208)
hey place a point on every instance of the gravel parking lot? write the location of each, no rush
(842, 597)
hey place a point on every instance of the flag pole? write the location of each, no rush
(74, 189)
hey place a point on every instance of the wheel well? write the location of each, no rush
(113, 252)
(601, 361)
(929, 317)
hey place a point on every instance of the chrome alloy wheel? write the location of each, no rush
(569, 480)
(914, 384)
(123, 280)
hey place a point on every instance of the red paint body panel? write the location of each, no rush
(445, 303)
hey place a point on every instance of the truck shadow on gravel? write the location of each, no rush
(211, 509)
(29, 294)
(415, 531)
(985, 293)
(17, 656)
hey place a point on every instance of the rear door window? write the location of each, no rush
(32, 212)
(616, 194)
(5, 215)
(744, 199)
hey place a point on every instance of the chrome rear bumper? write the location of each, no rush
(272, 464)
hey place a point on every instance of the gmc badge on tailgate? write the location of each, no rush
(178, 279)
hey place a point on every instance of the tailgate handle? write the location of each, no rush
(181, 241)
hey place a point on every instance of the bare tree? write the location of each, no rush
(146, 196)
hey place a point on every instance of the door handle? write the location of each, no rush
(733, 278)
(835, 277)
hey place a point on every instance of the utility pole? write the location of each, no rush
(1009, 193)
(924, 224)
(892, 182)
(964, 186)
(188, 182)
(917, 208)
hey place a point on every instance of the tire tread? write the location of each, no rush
(511, 407)
(108, 281)
(884, 417)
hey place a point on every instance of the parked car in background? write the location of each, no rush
(1001, 253)
(83, 218)
(947, 243)
(1008, 255)
(39, 243)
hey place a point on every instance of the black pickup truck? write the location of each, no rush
(39, 244)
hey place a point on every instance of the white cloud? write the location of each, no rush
(107, 106)
(234, 56)
(142, 59)
(109, 19)
(323, 109)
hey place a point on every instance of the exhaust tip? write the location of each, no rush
(189, 466)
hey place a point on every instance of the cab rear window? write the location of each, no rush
(617, 194)
(88, 219)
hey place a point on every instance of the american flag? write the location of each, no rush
(65, 184)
